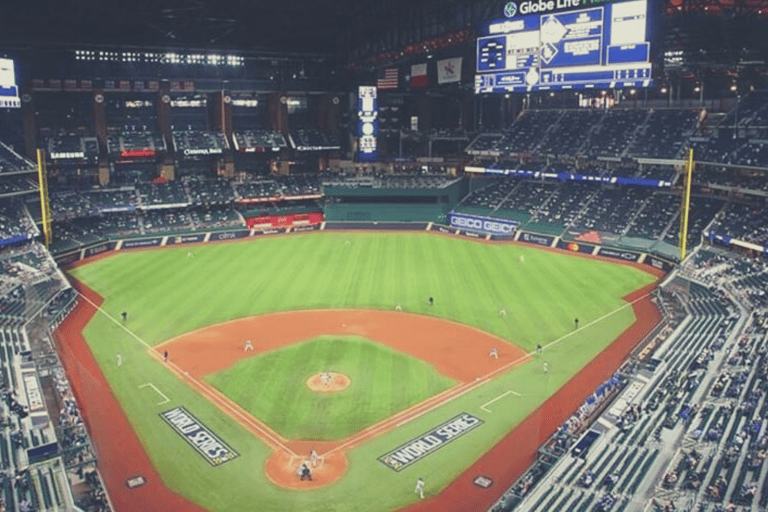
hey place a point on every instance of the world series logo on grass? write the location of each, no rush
(429, 442)
(200, 437)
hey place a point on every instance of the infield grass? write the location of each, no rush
(167, 294)
(272, 386)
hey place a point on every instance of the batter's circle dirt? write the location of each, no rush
(328, 382)
(282, 469)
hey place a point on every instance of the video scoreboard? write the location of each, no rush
(9, 91)
(367, 123)
(565, 44)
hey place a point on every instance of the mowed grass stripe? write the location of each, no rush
(272, 386)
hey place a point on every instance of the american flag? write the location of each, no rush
(388, 79)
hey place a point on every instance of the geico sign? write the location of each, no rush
(482, 225)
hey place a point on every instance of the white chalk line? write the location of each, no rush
(510, 392)
(268, 435)
(165, 398)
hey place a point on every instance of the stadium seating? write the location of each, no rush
(196, 143)
(258, 141)
(691, 412)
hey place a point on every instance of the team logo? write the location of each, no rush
(510, 9)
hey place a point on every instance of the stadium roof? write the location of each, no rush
(291, 25)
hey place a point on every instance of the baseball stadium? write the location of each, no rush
(472, 256)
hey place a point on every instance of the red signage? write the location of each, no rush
(137, 153)
(285, 221)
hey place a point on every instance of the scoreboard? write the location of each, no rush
(367, 123)
(9, 91)
(565, 44)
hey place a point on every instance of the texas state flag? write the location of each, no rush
(419, 75)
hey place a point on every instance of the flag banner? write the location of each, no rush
(449, 70)
(388, 79)
(419, 75)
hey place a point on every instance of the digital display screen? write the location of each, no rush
(565, 44)
(9, 91)
(367, 124)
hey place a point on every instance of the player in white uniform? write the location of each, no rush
(419, 488)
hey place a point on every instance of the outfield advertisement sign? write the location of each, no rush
(659, 263)
(619, 254)
(185, 239)
(199, 437)
(534, 238)
(429, 442)
(144, 242)
(483, 224)
(575, 247)
(229, 235)
(98, 249)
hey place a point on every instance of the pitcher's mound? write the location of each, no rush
(328, 382)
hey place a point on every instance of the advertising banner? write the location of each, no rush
(228, 235)
(575, 246)
(534, 238)
(483, 224)
(143, 242)
(619, 254)
(185, 239)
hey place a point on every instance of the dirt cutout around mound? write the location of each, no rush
(328, 382)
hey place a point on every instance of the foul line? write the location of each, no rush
(120, 324)
(165, 398)
(483, 407)
(219, 400)
(453, 393)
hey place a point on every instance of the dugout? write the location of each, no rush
(392, 204)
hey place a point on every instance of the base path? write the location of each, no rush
(455, 350)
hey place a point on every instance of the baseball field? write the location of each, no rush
(350, 304)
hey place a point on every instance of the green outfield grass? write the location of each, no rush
(167, 294)
(272, 386)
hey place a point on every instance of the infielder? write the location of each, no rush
(248, 346)
(494, 352)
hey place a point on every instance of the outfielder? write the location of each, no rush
(419, 488)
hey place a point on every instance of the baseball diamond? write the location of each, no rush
(289, 300)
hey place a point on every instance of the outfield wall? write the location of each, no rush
(504, 234)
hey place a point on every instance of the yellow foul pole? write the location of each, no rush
(685, 204)
(45, 205)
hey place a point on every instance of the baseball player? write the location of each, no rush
(313, 458)
(119, 360)
(326, 378)
(494, 352)
(545, 367)
(248, 346)
(419, 488)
